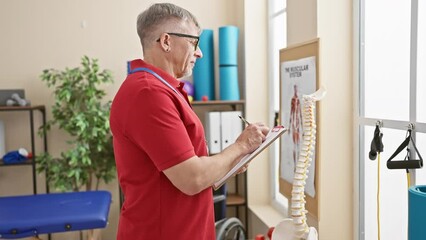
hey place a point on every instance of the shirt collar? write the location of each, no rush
(139, 63)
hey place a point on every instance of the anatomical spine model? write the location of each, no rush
(296, 227)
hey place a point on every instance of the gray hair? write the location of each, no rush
(150, 21)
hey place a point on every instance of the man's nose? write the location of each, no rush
(198, 53)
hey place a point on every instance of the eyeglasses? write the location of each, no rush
(187, 36)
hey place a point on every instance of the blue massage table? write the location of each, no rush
(25, 216)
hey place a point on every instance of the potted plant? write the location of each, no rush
(78, 110)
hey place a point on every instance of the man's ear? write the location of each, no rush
(165, 42)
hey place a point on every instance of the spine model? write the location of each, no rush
(296, 227)
(298, 211)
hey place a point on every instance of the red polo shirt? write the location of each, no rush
(154, 129)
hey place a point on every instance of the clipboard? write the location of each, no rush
(273, 135)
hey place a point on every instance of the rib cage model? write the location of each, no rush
(296, 227)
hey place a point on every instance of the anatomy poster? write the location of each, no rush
(298, 77)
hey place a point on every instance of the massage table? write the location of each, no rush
(31, 215)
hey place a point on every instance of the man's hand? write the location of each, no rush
(252, 136)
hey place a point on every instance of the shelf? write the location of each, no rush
(235, 200)
(20, 108)
(216, 102)
(29, 162)
(26, 162)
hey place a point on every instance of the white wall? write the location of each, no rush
(36, 35)
(255, 16)
(302, 21)
(258, 180)
(336, 143)
(331, 22)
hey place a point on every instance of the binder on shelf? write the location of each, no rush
(231, 127)
(213, 135)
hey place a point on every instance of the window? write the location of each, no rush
(392, 89)
(421, 61)
(277, 40)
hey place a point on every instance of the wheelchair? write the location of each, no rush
(226, 228)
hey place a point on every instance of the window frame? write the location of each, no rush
(278, 201)
(359, 103)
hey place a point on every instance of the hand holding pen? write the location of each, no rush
(253, 135)
(244, 120)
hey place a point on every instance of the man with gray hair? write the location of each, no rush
(163, 165)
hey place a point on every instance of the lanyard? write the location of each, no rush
(159, 78)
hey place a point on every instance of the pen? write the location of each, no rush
(245, 121)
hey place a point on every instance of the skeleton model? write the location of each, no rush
(296, 228)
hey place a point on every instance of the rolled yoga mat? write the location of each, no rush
(417, 213)
(228, 63)
(229, 83)
(203, 73)
(228, 45)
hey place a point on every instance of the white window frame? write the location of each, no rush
(278, 201)
(361, 121)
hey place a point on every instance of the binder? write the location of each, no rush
(231, 127)
(213, 133)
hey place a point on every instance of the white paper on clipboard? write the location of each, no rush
(273, 135)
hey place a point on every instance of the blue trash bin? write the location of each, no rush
(417, 213)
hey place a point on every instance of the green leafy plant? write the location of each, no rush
(78, 110)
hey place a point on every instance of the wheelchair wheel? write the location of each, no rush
(230, 229)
